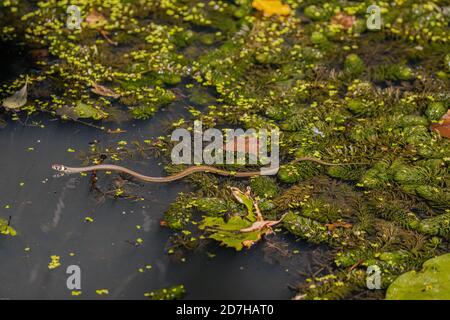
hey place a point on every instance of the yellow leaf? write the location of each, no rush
(54, 263)
(88, 219)
(248, 243)
(102, 291)
(271, 7)
(12, 232)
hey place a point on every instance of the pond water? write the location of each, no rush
(49, 214)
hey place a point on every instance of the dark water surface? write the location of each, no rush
(49, 213)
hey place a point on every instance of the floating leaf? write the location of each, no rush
(81, 110)
(101, 292)
(54, 263)
(229, 233)
(104, 91)
(271, 7)
(18, 99)
(345, 21)
(238, 231)
(431, 283)
(86, 111)
(6, 229)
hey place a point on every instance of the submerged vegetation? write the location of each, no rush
(337, 92)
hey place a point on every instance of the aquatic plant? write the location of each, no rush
(228, 233)
(239, 230)
(435, 110)
(264, 187)
(431, 282)
(171, 293)
(336, 91)
(354, 65)
(179, 213)
(439, 225)
(6, 229)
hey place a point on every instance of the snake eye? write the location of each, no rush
(58, 167)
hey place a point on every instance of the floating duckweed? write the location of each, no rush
(6, 229)
(314, 12)
(318, 38)
(172, 293)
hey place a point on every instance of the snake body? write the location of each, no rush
(184, 173)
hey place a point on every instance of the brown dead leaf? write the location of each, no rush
(261, 224)
(18, 99)
(443, 126)
(104, 91)
(38, 54)
(163, 223)
(346, 21)
(248, 243)
(116, 131)
(338, 224)
(256, 226)
(95, 19)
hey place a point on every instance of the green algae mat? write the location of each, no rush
(336, 86)
(432, 282)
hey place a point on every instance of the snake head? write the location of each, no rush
(59, 167)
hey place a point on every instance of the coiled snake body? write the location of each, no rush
(184, 173)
